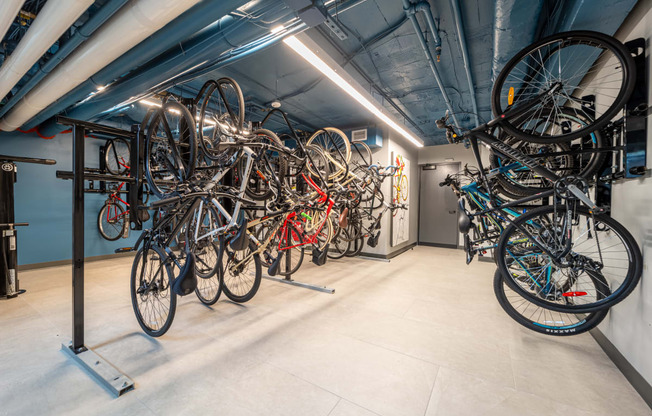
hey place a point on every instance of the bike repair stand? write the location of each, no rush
(100, 369)
(9, 284)
(288, 279)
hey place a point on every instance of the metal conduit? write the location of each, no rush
(455, 5)
(410, 11)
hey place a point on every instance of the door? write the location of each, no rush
(437, 207)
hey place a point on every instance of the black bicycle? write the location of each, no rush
(554, 255)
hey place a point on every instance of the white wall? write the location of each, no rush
(629, 324)
(394, 143)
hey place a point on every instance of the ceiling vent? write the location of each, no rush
(359, 135)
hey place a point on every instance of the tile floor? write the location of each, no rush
(421, 335)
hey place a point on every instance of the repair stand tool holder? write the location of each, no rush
(101, 370)
(9, 285)
(288, 278)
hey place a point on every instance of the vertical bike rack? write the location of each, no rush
(101, 370)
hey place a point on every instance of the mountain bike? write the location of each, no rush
(554, 254)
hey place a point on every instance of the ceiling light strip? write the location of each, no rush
(318, 63)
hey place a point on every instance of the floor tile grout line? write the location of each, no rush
(320, 387)
(336, 403)
(425, 412)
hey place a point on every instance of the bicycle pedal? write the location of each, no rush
(123, 250)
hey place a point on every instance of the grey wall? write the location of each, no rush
(629, 324)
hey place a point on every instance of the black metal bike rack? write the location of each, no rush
(100, 369)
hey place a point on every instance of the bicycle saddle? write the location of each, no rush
(186, 282)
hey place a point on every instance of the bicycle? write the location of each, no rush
(553, 255)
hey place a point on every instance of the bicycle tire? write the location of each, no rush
(554, 323)
(624, 288)
(103, 214)
(209, 282)
(157, 162)
(171, 309)
(337, 166)
(566, 39)
(232, 280)
(117, 156)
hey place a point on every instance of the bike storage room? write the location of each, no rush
(325, 207)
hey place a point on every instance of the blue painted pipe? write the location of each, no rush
(455, 5)
(80, 36)
(197, 18)
(407, 6)
(162, 72)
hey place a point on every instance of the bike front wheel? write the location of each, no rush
(242, 272)
(542, 320)
(152, 298)
(559, 258)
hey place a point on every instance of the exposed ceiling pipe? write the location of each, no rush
(128, 27)
(201, 17)
(189, 60)
(82, 33)
(410, 11)
(164, 71)
(459, 26)
(8, 11)
(52, 21)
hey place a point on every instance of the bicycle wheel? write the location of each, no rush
(360, 154)
(117, 156)
(601, 249)
(221, 113)
(242, 272)
(261, 184)
(111, 221)
(171, 149)
(152, 298)
(340, 245)
(542, 320)
(563, 70)
(336, 147)
(207, 267)
(286, 238)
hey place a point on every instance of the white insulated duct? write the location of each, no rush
(8, 11)
(52, 21)
(125, 29)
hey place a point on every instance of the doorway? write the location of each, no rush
(437, 206)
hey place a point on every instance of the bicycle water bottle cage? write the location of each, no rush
(319, 256)
(273, 268)
(186, 282)
(240, 241)
(464, 222)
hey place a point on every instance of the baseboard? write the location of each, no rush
(32, 266)
(421, 243)
(634, 377)
(390, 255)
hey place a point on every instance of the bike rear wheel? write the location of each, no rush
(242, 272)
(542, 320)
(111, 221)
(601, 250)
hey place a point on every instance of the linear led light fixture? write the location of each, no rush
(318, 63)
